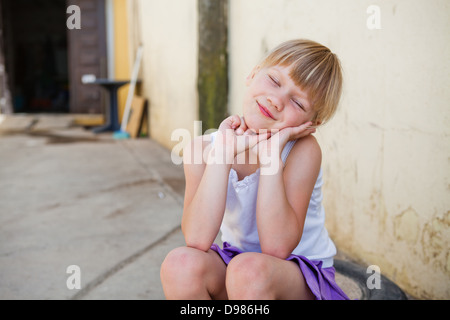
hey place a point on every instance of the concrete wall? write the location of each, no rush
(168, 31)
(386, 153)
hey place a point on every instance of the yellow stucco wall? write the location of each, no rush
(169, 65)
(386, 153)
(121, 50)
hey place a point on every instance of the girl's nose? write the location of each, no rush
(275, 102)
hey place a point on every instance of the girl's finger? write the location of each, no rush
(249, 141)
(235, 121)
(305, 126)
(243, 124)
(300, 132)
(249, 132)
(261, 136)
(242, 127)
(232, 122)
(264, 136)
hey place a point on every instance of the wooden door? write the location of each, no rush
(87, 55)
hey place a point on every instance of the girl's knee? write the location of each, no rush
(249, 277)
(181, 262)
(181, 273)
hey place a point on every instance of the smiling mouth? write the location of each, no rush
(264, 111)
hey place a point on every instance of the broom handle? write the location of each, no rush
(134, 76)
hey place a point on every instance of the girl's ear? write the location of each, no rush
(252, 75)
(316, 122)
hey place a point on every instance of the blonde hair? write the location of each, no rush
(315, 69)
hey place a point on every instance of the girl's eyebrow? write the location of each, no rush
(298, 92)
(305, 101)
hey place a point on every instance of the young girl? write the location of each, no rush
(260, 184)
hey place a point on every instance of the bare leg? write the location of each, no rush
(189, 273)
(257, 276)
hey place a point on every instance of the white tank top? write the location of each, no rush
(239, 227)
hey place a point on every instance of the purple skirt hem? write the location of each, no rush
(321, 281)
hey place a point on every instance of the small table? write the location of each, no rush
(112, 117)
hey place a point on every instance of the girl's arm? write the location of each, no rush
(284, 196)
(207, 181)
(205, 195)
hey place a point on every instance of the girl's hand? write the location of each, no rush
(294, 133)
(231, 140)
(271, 149)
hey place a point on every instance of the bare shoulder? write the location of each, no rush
(305, 158)
(306, 147)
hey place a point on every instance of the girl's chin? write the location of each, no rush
(256, 125)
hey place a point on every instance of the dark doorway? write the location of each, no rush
(45, 60)
(36, 54)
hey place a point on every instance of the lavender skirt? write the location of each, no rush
(320, 280)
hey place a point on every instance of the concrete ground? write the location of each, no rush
(111, 208)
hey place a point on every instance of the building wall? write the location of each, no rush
(168, 30)
(386, 153)
(121, 51)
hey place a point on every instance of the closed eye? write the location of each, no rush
(299, 105)
(274, 80)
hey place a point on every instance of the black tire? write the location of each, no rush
(388, 289)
